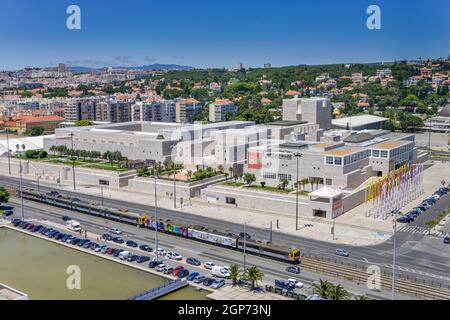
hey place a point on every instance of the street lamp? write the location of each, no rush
(9, 151)
(156, 215)
(174, 186)
(395, 211)
(20, 185)
(73, 162)
(245, 246)
(297, 155)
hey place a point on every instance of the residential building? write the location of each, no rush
(186, 109)
(219, 109)
(156, 111)
(113, 111)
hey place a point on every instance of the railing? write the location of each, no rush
(160, 291)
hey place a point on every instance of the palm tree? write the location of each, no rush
(226, 174)
(23, 147)
(230, 169)
(311, 182)
(323, 288)
(235, 272)
(254, 275)
(220, 168)
(362, 297)
(189, 175)
(338, 293)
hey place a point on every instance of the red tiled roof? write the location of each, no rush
(30, 119)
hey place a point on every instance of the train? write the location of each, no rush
(193, 232)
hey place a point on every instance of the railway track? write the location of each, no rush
(360, 276)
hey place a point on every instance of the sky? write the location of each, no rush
(220, 33)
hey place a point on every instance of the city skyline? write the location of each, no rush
(205, 35)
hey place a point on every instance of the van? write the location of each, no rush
(220, 272)
(124, 255)
(73, 225)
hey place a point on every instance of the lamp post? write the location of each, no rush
(395, 211)
(156, 216)
(245, 246)
(9, 156)
(37, 178)
(297, 155)
(101, 188)
(174, 186)
(73, 163)
(20, 185)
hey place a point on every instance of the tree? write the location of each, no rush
(220, 168)
(84, 123)
(35, 131)
(263, 184)
(235, 273)
(338, 292)
(189, 175)
(284, 183)
(362, 297)
(323, 288)
(254, 275)
(4, 195)
(230, 169)
(431, 224)
(249, 178)
(226, 174)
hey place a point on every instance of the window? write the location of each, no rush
(376, 153)
(338, 161)
(328, 182)
(384, 154)
(268, 175)
(329, 160)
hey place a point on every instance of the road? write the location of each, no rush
(188, 248)
(412, 260)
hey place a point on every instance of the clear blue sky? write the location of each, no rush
(220, 33)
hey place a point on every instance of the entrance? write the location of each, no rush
(320, 213)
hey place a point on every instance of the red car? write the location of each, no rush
(110, 251)
(177, 270)
(30, 226)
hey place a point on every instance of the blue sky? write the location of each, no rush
(220, 33)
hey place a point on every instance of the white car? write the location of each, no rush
(295, 282)
(160, 252)
(218, 283)
(115, 231)
(208, 265)
(174, 255)
(161, 267)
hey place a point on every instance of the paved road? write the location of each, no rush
(429, 265)
(187, 248)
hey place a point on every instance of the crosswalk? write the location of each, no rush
(414, 230)
(420, 230)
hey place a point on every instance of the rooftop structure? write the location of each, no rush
(8, 293)
(359, 122)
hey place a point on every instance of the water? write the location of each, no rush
(38, 268)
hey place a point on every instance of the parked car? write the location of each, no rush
(208, 281)
(342, 253)
(107, 237)
(115, 230)
(168, 270)
(174, 255)
(193, 276)
(117, 252)
(104, 248)
(447, 239)
(154, 264)
(131, 243)
(177, 270)
(161, 267)
(193, 261)
(208, 265)
(295, 283)
(199, 279)
(293, 269)
(146, 248)
(143, 259)
(8, 213)
(133, 258)
(16, 222)
(183, 273)
(218, 283)
(118, 240)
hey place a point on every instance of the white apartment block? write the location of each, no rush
(219, 109)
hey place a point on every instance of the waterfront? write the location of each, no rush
(39, 268)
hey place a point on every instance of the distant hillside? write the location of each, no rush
(156, 66)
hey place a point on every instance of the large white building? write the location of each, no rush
(219, 109)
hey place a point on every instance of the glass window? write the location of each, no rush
(329, 160)
(338, 161)
(384, 154)
(329, 182)
(376, 153)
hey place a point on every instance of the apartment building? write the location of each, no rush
(186, 109)
(158, 111)
(114, 111)
(219, 109)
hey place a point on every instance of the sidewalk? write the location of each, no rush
(352, 228)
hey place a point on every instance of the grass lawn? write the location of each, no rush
(106, 166)
(266, 188)
(234, 184)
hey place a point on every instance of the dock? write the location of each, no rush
(160, 291)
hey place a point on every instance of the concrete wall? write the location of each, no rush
(53, 172)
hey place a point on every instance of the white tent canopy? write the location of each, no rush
(326, 192)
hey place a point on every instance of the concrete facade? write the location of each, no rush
(312, 110)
